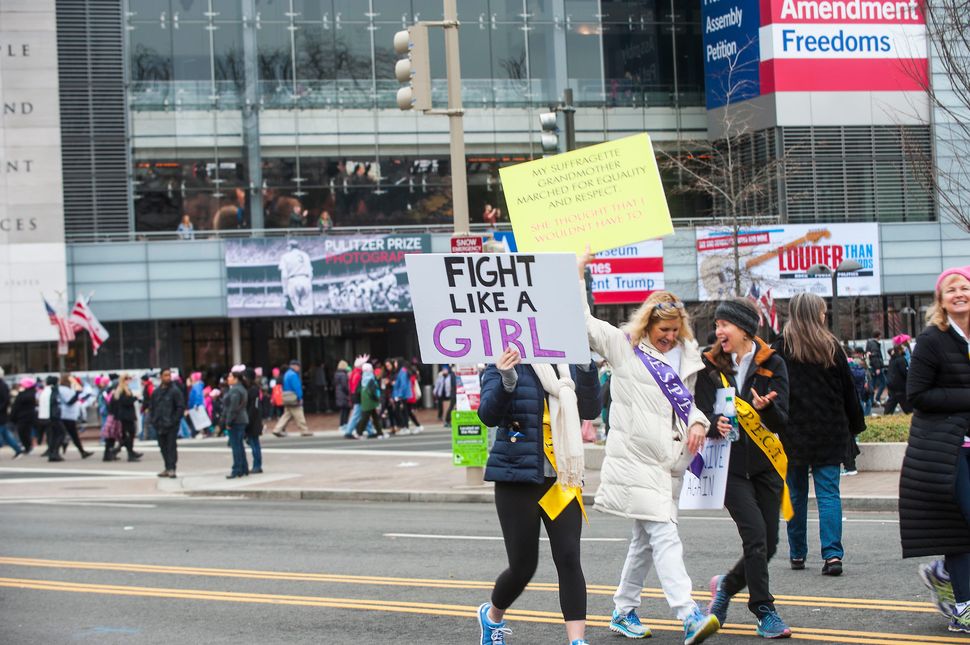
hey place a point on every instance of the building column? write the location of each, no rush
(236, 341)
(250, 116)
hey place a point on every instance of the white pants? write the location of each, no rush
(660, 542)
(300, 290)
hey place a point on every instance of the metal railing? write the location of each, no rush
(209, 235)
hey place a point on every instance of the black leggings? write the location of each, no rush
(519, 515)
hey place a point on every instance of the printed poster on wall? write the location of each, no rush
(778, 258)
(329, 274)
(469, 307)
(628, 274)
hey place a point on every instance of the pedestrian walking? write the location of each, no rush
(70, 402)
(403, 395)
(537, 466)
(122, 407)
(167, 410)
(49, 418)
(370, 403)
(655, 362)
(934, 484)
(741, 362)
(276, 394)
(896, 378)
(196, 401)
(441, 391)
(877, 366)
(341, 387)
(23, 412)
(6, 433)
(824, 413)
(254, 428)
(292, 402)
(236, 419)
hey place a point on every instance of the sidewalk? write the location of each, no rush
(317, 474)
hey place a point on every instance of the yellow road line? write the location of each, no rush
(600, 590)
(435, 609)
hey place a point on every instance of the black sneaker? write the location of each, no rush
(797, 564)
(832, 567)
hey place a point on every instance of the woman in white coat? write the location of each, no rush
(654, 432)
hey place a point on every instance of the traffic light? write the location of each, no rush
(414, 72)
(549, 121)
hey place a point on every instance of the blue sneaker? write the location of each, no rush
(937, 580)
(492, 633)
(580, 641)
(719, 601)
(770, 625)
(629, 625)
(698, 626)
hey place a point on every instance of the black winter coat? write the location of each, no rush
(4, 401)
(768, 373)
(254, 410)
(930, 521)
(823, 410)
(523, 461)
(341, 389)
(123, 407)
(167, 408)
(24, 408)
(896, 377)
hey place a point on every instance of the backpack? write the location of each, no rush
(277, 397)
(859, 378)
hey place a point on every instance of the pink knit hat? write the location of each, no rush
(964, 271)
(27, 383)
(196, 376)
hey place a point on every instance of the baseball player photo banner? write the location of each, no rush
(312, 276)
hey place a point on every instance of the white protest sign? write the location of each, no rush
(707, 491)
(469, 307)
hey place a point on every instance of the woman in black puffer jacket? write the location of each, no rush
(898, 369)
(823, 413)
(934, 485)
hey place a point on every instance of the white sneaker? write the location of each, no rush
(404, 431)
(418, 429)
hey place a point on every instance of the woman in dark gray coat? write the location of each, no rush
(341, 386)
(235, 418)
(934, 485)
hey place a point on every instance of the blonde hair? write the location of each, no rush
(807, 339)
(652, 312)
(937, 314)
(123, 386)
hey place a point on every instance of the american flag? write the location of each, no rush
(765, 304)
(82, 318)
(65, 331)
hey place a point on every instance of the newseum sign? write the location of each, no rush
(32, 252)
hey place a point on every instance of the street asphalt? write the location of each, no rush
(176, 570)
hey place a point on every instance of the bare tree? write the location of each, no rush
(739, 171)
(948, 175)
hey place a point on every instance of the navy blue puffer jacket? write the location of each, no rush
(522, 461)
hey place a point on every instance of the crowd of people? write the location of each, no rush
(790, 409)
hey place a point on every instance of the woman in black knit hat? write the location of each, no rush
(741, 361)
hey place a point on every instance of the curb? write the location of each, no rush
(866, 504)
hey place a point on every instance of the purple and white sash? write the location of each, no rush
(677, 394)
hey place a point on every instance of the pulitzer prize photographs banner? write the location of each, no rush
(323, 275)
(778, 258)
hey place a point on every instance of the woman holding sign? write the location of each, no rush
(537, 466)
(655, 430)
(825, 413)
(742, 366)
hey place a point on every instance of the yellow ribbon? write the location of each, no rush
(556, 498)
(750, 420)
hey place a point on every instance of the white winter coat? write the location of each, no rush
(646, 450)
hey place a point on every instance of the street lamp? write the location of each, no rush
(821, 270)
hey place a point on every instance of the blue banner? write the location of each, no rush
(731, 51)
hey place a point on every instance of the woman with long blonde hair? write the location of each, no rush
(823, 413)
(122, 406)
(655, 430)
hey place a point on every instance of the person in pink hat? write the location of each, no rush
(934, 484)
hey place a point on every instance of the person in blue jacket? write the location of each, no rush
(292, 402)
(197, 398)
(537, 459)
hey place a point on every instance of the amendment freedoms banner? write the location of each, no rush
(777, 258)
(320, 275)
(605, 196)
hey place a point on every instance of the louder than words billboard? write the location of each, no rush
(308, 276)
(779, 259)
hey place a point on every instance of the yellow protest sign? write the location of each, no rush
(606, 196)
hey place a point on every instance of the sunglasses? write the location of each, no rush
(668, 306)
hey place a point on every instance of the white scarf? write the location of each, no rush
(567, 435)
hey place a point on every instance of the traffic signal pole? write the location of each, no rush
(456, 124)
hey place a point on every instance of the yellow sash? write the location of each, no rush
(750, 420)
(556, 498)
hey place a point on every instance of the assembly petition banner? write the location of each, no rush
(777, 258)
(605, 196)
(329, 274)
(469, 307)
